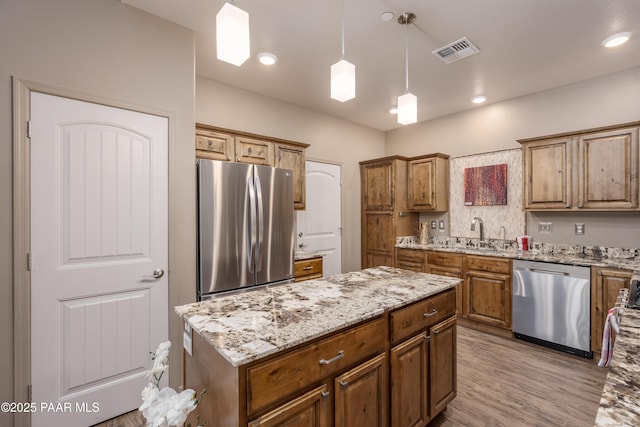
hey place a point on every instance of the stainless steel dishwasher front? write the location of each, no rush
(552, 305)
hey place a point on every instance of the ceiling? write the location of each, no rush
(526, 46)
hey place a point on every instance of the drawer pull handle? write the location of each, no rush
(324, 394)
(309, 267)
(433, 313)
(339, 356)
(343, 384)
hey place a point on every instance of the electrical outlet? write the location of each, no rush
(579, 227)
(433, 225)
(544, 227)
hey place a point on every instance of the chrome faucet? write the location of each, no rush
(504, 235)
(478, 220)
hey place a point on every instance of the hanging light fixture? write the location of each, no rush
(407, 103)
(343, 75)
(232, 34)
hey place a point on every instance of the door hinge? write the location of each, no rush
(29, 393)
(29, 261)
(28, 128)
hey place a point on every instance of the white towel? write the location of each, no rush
(607, 339)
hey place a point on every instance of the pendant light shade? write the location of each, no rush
(407, 109)
(232, 35)
(407, 103)
(343, 75)
(343, 81)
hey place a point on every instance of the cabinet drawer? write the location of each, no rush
(412, 255)
(275, 379)
(491, 264)
(306, 269)
(444, 259)
(409, 320)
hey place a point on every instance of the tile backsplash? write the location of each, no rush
(511, 215)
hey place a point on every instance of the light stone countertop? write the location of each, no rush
(250, 325)
(620, 402)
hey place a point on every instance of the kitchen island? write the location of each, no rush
(374, 346)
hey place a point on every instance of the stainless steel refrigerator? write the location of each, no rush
(245, 226)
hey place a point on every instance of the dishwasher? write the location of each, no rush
(552, 306)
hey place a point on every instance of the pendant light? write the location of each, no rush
(232, 34)
(343, 75)
(407, 103)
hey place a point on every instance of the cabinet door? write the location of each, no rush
(422, 184)
(361, 395)
(378, 239)
(487, 298)
(309, 410)
(214, 145)
(443, 363)
(608, 170)
(292, 157)
(605, 286)
(547, 174)
(378, 186)
(254, 151)
(410, 382)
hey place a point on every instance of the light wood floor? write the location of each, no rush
(503, 382)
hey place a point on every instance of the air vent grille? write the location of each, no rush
(456, 51)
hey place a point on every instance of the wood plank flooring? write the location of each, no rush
(505, 382)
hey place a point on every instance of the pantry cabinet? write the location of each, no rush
(384, 209)
(594, 169)
(234, 146)
(605, 285)
(428, 180)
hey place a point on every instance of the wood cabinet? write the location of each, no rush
(595, 169)
(450, 265)
(411, 259)
(605, 285)
(428, 181)
(345, 378)
(423, 367)
(487, 290)
(307, 269)
(384, 208)
(229, 145)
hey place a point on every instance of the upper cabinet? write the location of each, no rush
(234, 146)
(595, 169)
(428, 178)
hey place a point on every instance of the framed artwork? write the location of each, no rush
(485, 185)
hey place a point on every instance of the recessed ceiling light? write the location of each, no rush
(478, 99)
(267, 58)
(393, 110)
(387, 16)
(616, 40)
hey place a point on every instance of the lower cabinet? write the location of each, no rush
(487, 290)
(605, 285)
(312, 409)
(411, 259)
(450, 265)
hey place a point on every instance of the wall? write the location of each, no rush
(607, 100)
(332, 139)
(104, 49)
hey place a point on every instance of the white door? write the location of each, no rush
(98, 231)
(320, 222)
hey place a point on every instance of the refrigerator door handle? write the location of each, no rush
(252, 216)
(259, 251)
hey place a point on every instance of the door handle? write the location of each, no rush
(157, 273)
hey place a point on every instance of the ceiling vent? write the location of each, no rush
(456, 51)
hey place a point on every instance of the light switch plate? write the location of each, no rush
(441, 225)
(187, 342)
(579, 227)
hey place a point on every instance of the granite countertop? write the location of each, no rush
(250, 325)
(623, 261)
(620, 402)
(300, 254)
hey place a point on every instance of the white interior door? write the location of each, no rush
(320, 222)
(98, 231)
